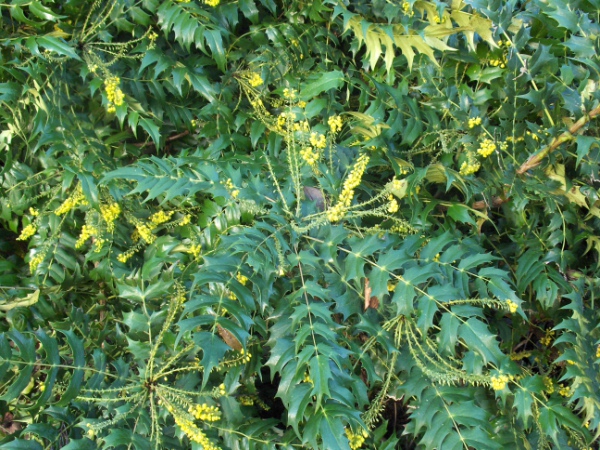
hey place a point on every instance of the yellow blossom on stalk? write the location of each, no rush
(109, 214)
(205, 412)
(255, 80)
(565, 391)
(160, 217)
(310, 156)
(212, 3)
(392, 205)
(337, 212)
(470, 166)
(598, 352)
(114, 94)
(548, 337)
(356, 440)
(335, 124)
(87, 231)
(233, 191)
(486, 148)
(222, 391)
(302, 104)
(124, 257)
(289, 93)
(241, 278)
(302, 126)
(512, 306)
(195, 250)
(145, 232)
(318, 140)
(499, 382)
(190, 429)
(34, 212)
(185, 220)
(27, 232)
(548, 385)
(36, 260)
(74, 200)
(474, 121)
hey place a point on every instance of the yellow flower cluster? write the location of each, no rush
(212, 3)
(318, 140)
(255, 80)
(185, 220)
(336, 212)
(232, 190)
(486, 148)
(160, 217)
(87, 231)
(474, 121)
(27, 232)
(246, 400)
(548, 385)
(310, 156)
(307, 378)
(598, 352)
(222, 391)
(190, 429)
(499, 382)
(470, 166)
(246, 357)
(241, 278)
(205, 412)
(36, 260)
(356, 440)
(407, 9)
(109, 214)
(392, 205)
(498, 63)
(283, 118)
(565, 391)
(302, 126)
(195, 250)
(114, 94)
(335, 124)
(145, 232)
(76, 199)
(34, 212)
(512, 306)
(548, 338)
(289, 93)
(124, 257)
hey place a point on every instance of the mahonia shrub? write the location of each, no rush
(329, 225)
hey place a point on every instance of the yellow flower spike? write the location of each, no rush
(241, 278)
(512, 306)
(212, 3)
(255, 80)
(318, 140)
(474, 121)
(160, 217)
(499, 382)
(27, 232)
(36, 260)
(145, 233)
(335, 124)
(337, 212)
(486, 148)
(392, 205)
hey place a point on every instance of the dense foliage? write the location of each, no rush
(384, 215)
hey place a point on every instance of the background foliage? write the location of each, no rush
(383, 215)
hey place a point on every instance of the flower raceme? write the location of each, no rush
(337, 212)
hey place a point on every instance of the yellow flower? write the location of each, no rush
(474, 121)
(76, 199)
(499, 382)
(205, 412)
(392, 205)
(512, 306)
(309, 156)
(337, 212)
(185, 220)
(318, 140)
(195, 250)
(87, 231)
(36, 260)
(335, 124)
(241, 278)
(160, 217)
(212, 3)
(356, 440)
(27, 232)
(110, 213)
(145, 233)
(486, 148)
(255, 80)
(470, 166)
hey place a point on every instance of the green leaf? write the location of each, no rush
(478, 337)
(57, 45)
(151, 128)
(327, 81)
(78, 355)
